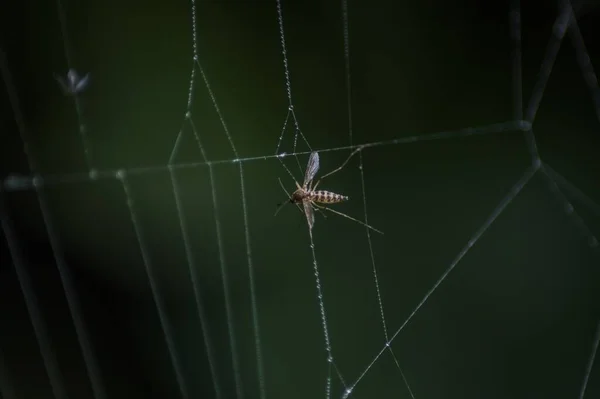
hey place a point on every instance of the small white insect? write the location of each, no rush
(73, 84)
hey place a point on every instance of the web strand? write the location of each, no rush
(298, 131)
(515, 31)
(78, 107)
(330, 358)
(590, 364)
(256, 328)
(56, 247)
(7, 391)
(72, 298)
(35, 182)
(346, 29)
(576, 192)
(192, 267)
(558, 32)
(226, 293)
(571, 212)
(288, 86)
(224, 274)
(156, 294)
(363, 187)
(40, 328)
(514, 191)
(255, 322)
(195, 56)
(19, 182)
(584, 61)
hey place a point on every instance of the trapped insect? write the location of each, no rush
(74, 83)
(311, 198)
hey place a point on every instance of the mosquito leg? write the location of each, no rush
(349, 217)
(341, 167)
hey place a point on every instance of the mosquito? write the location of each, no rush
(311, 198)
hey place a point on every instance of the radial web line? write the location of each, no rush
(254, 306)
(508, 198)
(158, 298)
(40, 328)
(571, 212)
(19, 182)
(192, 267)
(323, 315)
(558, 32)
(590, 364)
(584, 61)
(346, 28)
(7, 391)
(288, 86)
(78, 108)
(71, 297)
(576, 192)
(515, 32)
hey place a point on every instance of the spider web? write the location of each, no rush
(335, 347)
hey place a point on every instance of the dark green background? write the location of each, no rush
(517, 316)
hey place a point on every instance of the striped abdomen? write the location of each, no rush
(327, 197)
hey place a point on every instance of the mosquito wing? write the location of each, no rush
(311, 168)
(308, 210)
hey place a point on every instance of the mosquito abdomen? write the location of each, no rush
(327, 197)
